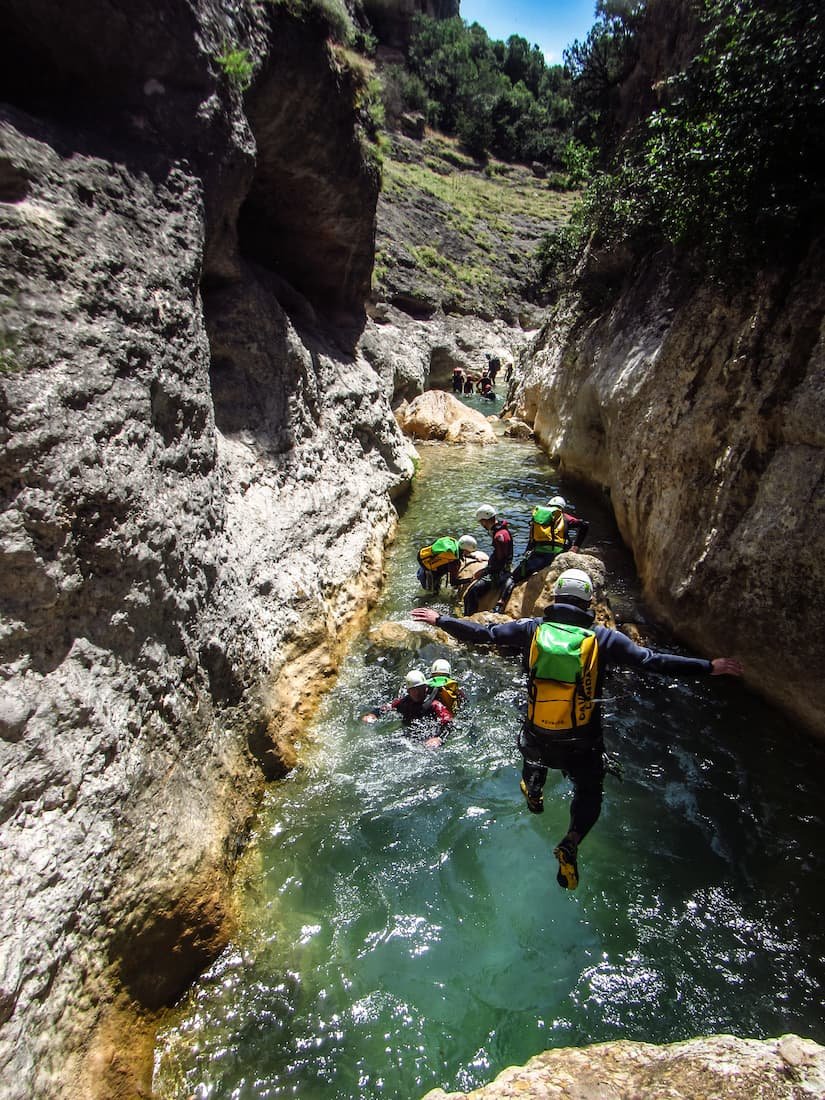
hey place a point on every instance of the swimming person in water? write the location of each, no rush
(419, 708)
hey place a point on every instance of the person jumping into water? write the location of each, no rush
(566, 657)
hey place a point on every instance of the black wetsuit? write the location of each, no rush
(580, 755)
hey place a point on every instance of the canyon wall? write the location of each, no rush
(701, 410)
(196, 481)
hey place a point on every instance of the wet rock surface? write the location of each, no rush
(721, 1066)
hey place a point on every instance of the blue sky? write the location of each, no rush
(550, 24)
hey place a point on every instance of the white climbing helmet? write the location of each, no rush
(415, 679)
(467, 542)
(486, 511)
(557, 502)
(574, 582)
(440, 667)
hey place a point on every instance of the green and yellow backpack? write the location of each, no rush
(563, 664)
(446, 690)
(548, 529)
(442, 552)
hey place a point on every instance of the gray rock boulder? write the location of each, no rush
(438, 415)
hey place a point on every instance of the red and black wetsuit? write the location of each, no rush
(497, 572)
(422, 713)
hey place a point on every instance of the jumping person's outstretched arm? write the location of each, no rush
(515, 634)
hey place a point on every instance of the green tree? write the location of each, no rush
(732, 168)
(598, 66)
(496, 97)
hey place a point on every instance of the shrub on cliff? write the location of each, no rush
(730, 168)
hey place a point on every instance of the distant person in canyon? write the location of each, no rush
(552, 531)
(497, 572)
(566, 657)
(508, 373)
(469, 383)
(443, 560)
(458, 380)
(487, 390)
(493, 366)
(418, 708)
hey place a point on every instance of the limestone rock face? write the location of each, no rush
(195, 483)
(304, 213)
(703, 413)
(720, 1066)
(439, 415)
(412, 355)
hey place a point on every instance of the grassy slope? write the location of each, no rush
(455, 233)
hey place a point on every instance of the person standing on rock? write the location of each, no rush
(494, 366)
(497, 572)
(566, 657)
(552, 531)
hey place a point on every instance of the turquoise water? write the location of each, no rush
(403, 924)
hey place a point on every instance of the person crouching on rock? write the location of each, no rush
(418, 707)
(443, 559)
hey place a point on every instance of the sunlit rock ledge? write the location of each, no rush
(720, 1066)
